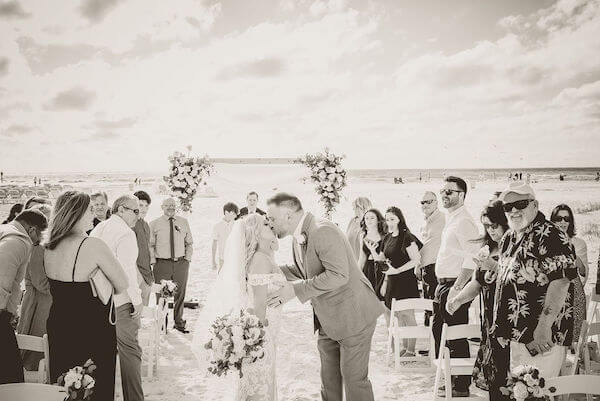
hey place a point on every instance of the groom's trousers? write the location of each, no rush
(345, 366)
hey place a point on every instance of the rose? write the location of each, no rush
(483, 253)
(520, 391)
(88, 381)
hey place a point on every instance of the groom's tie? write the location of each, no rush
(298, 253)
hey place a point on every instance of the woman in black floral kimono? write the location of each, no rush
(487, 374)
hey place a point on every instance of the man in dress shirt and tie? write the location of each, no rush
(142, 232)
(117, 233)
(453, 268)
(252, 207)
(171, 252)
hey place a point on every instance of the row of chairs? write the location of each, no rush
(448, 367)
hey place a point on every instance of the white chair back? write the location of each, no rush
(576, 384)
(38, 344)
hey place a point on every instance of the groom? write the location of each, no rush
(344, 303)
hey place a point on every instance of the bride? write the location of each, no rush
(248, 275)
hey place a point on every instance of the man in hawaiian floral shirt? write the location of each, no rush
(533, 313)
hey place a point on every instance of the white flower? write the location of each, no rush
(538, 392)
(530, 380)
(330, 170)
(484, 253)
(77, 384)
(301, 239)
(322, 175)
(331, 158)
(520, 391)
(88, 381)
(339, 169)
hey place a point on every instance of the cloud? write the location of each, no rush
(96, 10)
(76, 98)
(17, 130)
(6, 110)
(12, 9)
(115, 124)
(101, 136)
(265, 68)
(4, 62)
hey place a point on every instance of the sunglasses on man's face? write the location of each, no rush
(427, 202)
(136, 211)
(557, 219)
(449, 192)
(519, 205)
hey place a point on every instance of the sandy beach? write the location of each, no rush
(298, 374)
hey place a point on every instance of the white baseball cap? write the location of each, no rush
(518, 187)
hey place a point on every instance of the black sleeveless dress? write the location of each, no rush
(372, 271)
(402, 285)
(79, 329)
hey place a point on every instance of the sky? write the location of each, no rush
(117, 85)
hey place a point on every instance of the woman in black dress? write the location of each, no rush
(373, 229)
(488, 373)
(400, 254)
(78, 324)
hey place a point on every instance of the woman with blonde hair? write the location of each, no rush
(354, 229)
(78, 325)
(249, 274)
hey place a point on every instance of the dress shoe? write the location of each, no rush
(181, 329)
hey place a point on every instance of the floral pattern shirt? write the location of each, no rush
(526, 267)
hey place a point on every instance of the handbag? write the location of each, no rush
(103, 290)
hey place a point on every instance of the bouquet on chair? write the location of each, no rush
(167, 288)
(524, 384)
(236, 340)
(78, 381)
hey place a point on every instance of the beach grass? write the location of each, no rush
(587, 207)
(591, 230)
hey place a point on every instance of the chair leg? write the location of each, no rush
(436, 382)
(447, 374)
(396, 352)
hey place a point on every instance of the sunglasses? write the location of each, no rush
(136, 211)
(566, 219)
(427, 202)
(448, 192)
(519, 205)
(493, 226)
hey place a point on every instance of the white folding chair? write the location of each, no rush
(162, 308)
(38, 344)
(396, 333)
(576, 384)
(149, 338)
(454, 366)
(580, 347)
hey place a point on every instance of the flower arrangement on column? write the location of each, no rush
(186, 174)
(329, 177)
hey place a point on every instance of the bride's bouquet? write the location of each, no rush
(186, 173)
(524, 384)
(329, 176)
(236, 340)
(78, 381)
(167, 288)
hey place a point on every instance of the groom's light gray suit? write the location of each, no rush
(345, 308)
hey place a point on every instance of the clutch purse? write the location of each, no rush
(101, 287)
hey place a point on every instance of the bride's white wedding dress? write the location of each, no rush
(259, 381)
(230, 292)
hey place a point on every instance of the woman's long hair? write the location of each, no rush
(14, 211)
(560, 208)
(403, 230)
(68, 210)
(380, 222)
(252, 225)
(495, 214)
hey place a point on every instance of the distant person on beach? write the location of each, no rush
(220, 233)
(252, 201)
(99, 202)
(1, 176)
(14, 211)
(360, 206)
(142, 233)
(431, 233)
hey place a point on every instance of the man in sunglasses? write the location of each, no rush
(171, 248)
(533, 311)
(454, 267)
(431, 233)
(117, 232)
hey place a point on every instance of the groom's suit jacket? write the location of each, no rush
(343, 301)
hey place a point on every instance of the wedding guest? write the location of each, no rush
(431, 233)
(373, 230)
(537, 262)
(99, 207)
(14, 211)
(220, 233)
(488, 374)
(252, 201)
(563, 217)
(17, 239)
(360, 206)
(401, 256)
(79, 325)
(37, 300)
(35, 200)
(171, 248)
(117, 233)
(142, 233)
(453, 269)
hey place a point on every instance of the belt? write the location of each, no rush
(446, 280)
(171, 260)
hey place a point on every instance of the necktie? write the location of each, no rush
(298, 252)
(172, 237)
